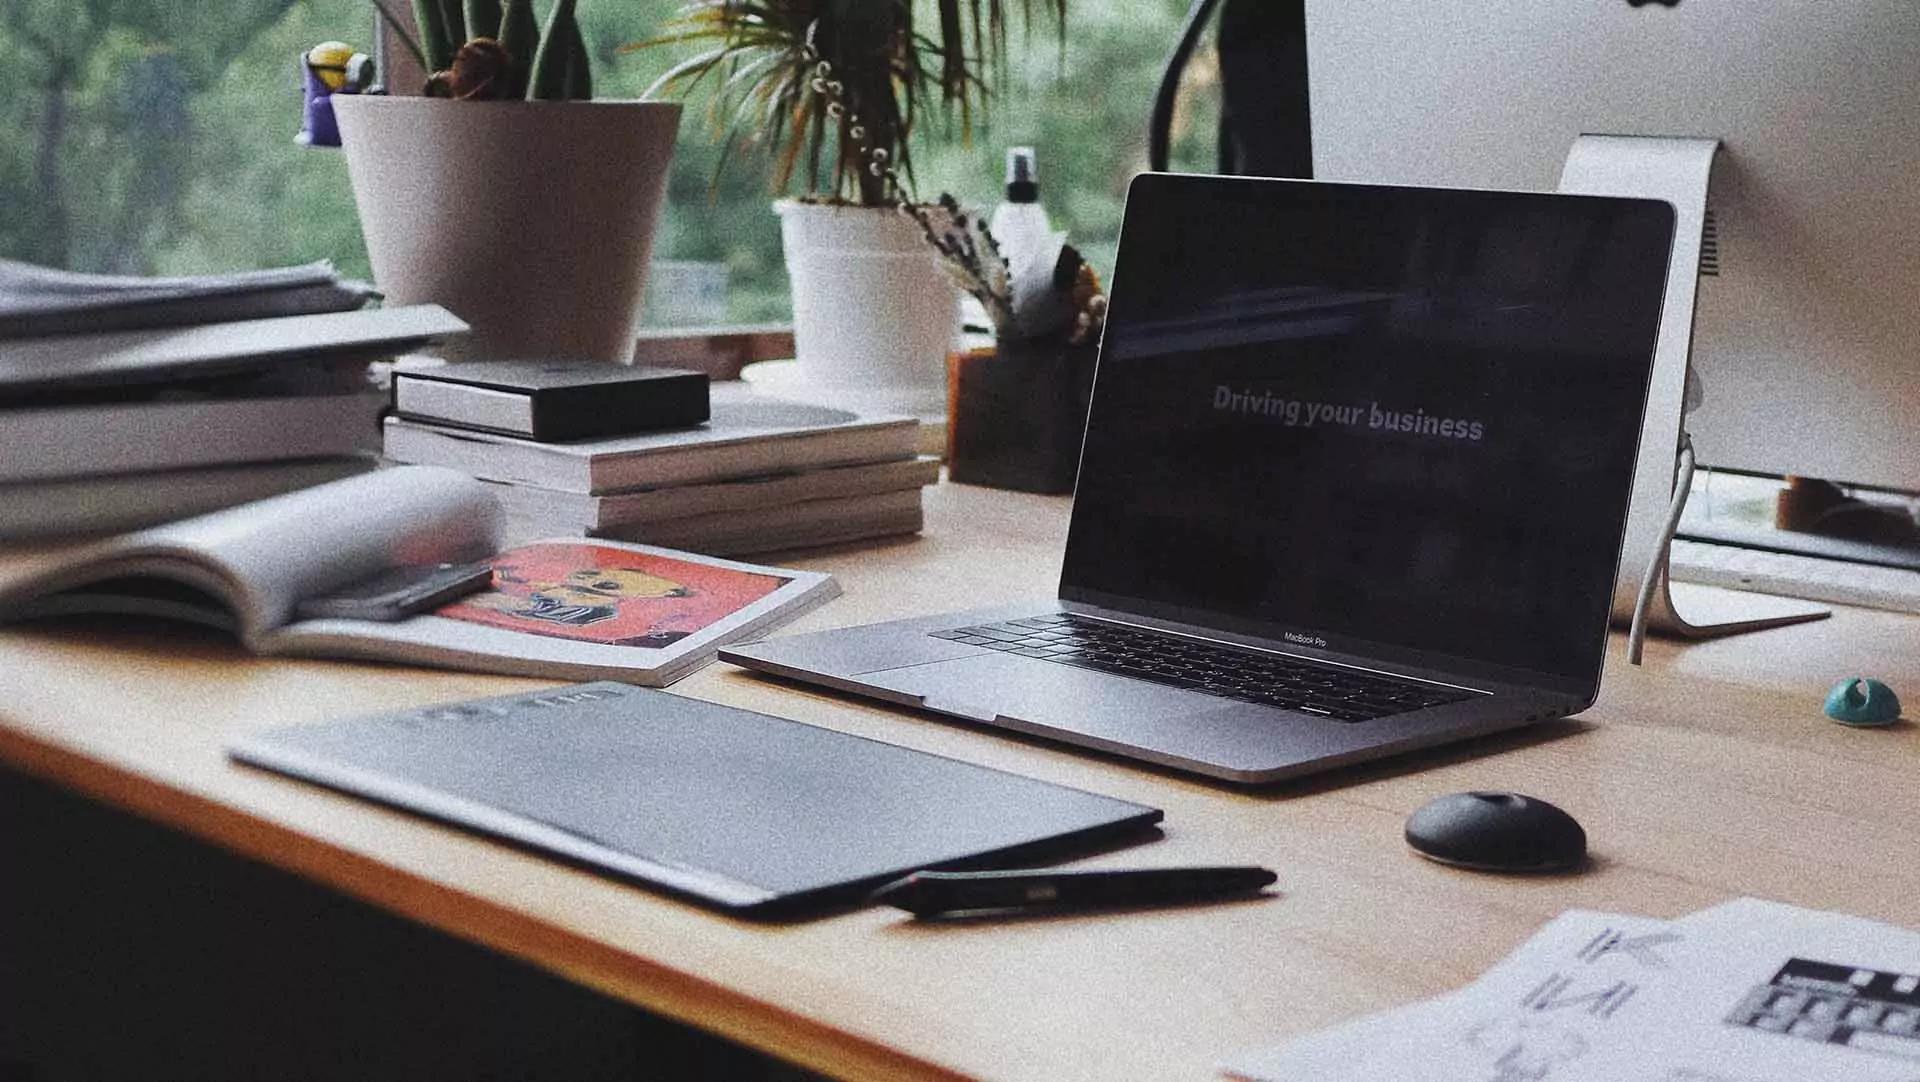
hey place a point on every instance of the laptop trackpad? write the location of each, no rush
(997, 688)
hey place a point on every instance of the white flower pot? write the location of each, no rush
(532, 221)
(872, 307)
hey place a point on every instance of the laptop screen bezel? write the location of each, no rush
(1149, 193)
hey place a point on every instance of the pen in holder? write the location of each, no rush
(1016, 413)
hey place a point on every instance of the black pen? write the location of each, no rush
(932, 894)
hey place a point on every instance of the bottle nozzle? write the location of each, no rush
(1023, 176)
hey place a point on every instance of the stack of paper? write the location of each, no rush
(761, 475)
(1749, 991)
(129, 401)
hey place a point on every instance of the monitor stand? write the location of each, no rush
(1679, 171)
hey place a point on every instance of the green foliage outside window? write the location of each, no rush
(157, 137)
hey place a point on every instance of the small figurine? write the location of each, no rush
(329, 68)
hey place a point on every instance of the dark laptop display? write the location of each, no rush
(1375, 419)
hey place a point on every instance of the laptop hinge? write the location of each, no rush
(1109, 617)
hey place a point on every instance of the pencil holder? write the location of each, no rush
(1016, 413)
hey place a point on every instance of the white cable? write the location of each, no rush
(1657, 567)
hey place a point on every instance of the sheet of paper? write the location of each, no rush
(1746, 992)
(1544, 1007)
(1771, 991)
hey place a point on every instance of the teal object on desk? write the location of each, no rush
(1863, 702)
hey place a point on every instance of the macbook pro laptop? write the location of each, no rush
(1354, 482)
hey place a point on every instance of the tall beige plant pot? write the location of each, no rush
(532, 221)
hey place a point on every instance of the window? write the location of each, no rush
(158, 138)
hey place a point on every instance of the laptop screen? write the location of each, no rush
(1382, 421)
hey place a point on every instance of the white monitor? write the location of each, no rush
(1808, 329)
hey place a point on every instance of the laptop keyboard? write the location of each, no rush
(1229, 672)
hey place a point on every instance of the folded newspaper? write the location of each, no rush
(38, 301)
(1749, 991)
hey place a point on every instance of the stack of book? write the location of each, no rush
(758, 475)
(125, 403)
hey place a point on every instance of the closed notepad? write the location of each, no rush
(754, 814)
(553, 400)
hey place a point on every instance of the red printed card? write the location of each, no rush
(593, 593)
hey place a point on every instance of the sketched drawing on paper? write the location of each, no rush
(1867, 1009)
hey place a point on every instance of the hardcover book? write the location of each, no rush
(742, 495)
(182, 430)
(64, 506)
(747, 435)
(807, 524)
(569, 608)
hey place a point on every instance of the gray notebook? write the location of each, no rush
(757, 815)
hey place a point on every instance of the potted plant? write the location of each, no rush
(834, 90)
(503, 191)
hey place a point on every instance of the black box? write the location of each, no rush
(552, 401)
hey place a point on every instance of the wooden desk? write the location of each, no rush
(1708, 774)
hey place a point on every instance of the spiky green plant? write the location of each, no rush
(539, 65)
(884, 70)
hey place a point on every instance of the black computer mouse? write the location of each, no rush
(1497, 832)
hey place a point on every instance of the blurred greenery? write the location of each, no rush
(154, 138)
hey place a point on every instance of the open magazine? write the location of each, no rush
(568, 608)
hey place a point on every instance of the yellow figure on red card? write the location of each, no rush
(586, 595)
(589, 592)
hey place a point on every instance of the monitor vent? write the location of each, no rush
(1710, 245)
